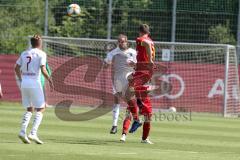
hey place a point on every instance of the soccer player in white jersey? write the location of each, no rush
(121, 58)
(28, 70)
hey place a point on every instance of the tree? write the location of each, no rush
(221, 34)
(21, 20)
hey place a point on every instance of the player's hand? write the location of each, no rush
(131, 64)
(105, 64)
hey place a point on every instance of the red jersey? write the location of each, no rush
(142, 56)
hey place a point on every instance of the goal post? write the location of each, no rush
(204, 77)
(231, 105)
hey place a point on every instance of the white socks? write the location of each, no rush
(25, 121)
(36, 122)
(115, 113)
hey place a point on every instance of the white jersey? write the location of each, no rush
(110, 55)
(120, 59)
(30, 61)
(122, 70)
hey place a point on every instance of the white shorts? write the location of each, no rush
(33, 97)
(120, 83)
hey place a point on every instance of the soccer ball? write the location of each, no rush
(73, 10)
(172, 109)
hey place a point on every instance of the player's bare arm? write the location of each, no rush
(45, 74)
(18, 72)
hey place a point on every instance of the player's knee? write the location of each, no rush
(148, 117)
(128, 114)
(30, 109)
(116, 99)
(40, 109)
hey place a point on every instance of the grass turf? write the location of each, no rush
(205, 137)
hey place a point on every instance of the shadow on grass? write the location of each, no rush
(81, 141)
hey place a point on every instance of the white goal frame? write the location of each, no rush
(226, 47)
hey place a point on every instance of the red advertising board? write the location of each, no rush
(198, 87)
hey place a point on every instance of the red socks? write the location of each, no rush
(146, 130)
(126, 124)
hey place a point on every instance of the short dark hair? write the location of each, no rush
(35, 40)
(144, 28)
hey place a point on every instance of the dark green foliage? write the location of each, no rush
(197, 21)
(221, 34)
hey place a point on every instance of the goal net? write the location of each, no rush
(203, 77)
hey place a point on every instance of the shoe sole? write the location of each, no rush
(113, 132)
(37, 142)
(146, 143)
(23, 140)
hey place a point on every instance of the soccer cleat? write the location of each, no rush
(147, 141)
(135, 126)
(113, 130)
(35, 139)
(24, 138)
(123, 138)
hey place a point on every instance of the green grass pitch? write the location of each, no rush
(206, 137)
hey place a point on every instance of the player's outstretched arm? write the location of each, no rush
(46, 75)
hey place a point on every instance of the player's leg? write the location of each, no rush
(133, 81)
(147, 112)
(133, 108)
(115, 110)
(130, 99)
(126, 125)
(138, 81)
(39, 104)
(26, 116)
(146, 129)
(115, 114)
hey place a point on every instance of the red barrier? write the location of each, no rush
(7, 78)
(198, 87)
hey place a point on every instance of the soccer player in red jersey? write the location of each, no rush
(143, 74)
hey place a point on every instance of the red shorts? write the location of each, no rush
(140, 78)
(147, 107)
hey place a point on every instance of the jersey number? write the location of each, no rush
(29, 60)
